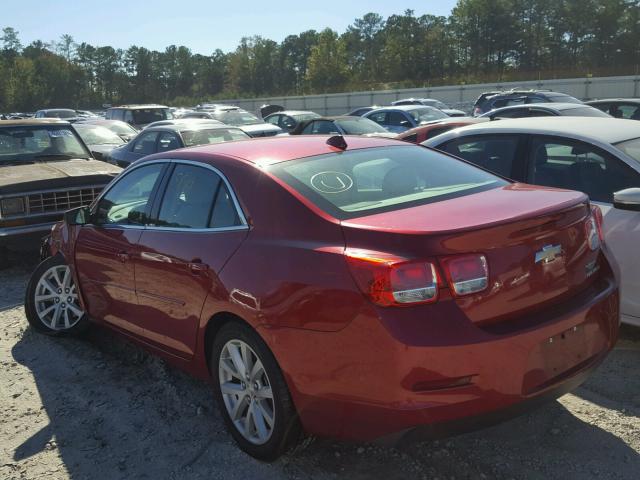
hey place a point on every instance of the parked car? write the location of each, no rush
(45, 169)
(492, 100)
(62, 113)
(246, 121)
(139, 115)
(431, 102)
(100, 140)
(544, 110)
(379, 288)
(288, 120)
(170, 137)
(401, 118)
(628, 108)
(120, 128)
(600, 157)
(341, 125)
(435, 128)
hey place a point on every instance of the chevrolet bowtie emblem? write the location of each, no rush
(548, 253)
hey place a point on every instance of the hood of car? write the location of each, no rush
(260, 129)
(15, 178)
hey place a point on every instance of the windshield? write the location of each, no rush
(121, 128)
(631, 148)
(150, 115)
(96, 135)
(213, 135)
(426, 114)
(434, 103)
(372, 180)
(585, 112)
(236, 117)
(563, 99)
(360, 126)
(25, 144)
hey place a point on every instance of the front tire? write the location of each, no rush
(252, 394)
(52, 299)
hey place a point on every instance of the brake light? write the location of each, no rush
(598, 220)
(393, 281)
(466, 274)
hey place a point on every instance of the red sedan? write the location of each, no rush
(350, 287)
(429, 130)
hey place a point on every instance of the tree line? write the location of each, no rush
(481, 40)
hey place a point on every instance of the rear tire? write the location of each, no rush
(52, 300)
(249, 386)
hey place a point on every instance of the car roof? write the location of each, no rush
(33, 121)
(402, 107)
(291, 112)
(266, 151)
(151, 105)
(605, 130)
(57, 110)
(559, 106)
(605, 100)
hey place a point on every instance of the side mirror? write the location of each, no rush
(77, 216)
(627, 199)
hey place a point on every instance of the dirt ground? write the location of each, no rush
(100, 408)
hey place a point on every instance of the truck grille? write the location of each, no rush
(61, 201)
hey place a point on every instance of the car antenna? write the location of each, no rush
(337, 141)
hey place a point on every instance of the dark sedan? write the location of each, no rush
(171, 137)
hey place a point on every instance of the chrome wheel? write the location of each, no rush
(246, 392)
(56, 299)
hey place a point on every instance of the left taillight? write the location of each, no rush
(389, 280)
(466, 274)
(594, 228)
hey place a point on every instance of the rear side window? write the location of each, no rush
(363, 182)
(496, 153)
(196, 197)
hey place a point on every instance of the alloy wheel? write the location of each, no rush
(246, 391)
(56, 299)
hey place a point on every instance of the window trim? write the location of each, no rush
(160, 189)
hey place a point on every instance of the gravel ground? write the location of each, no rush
(100, 408)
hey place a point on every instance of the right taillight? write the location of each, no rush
(594, 223)
(392, 281)
(466, 274)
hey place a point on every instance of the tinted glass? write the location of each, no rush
(360, 126)
(362, 182)
(273, 119)
(211, 136)
(144, 116)
(628, 111)
(378, 117)
(168, 141)
(511, 113)
(25, 144)
(578, 166)
(224, 211)
(562, 99)
(126, 202)
(322, 127)
(146, 143)
(496, 153)
(397, 119)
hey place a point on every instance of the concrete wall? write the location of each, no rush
(460, 96)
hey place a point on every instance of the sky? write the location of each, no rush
(201, 25)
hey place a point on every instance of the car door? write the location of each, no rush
(565, 163)
(105, 248)
(145, 144)
(197, 226)
(498, 153)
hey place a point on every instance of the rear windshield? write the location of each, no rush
(213, 135)
(585, 112)
(360, 126)
(373, 180)
(150, 115)
(39, 142)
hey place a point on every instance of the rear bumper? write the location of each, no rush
(441, 374)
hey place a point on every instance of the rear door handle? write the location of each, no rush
(196, 266)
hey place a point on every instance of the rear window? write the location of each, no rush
(373, 180)
(150, 115)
